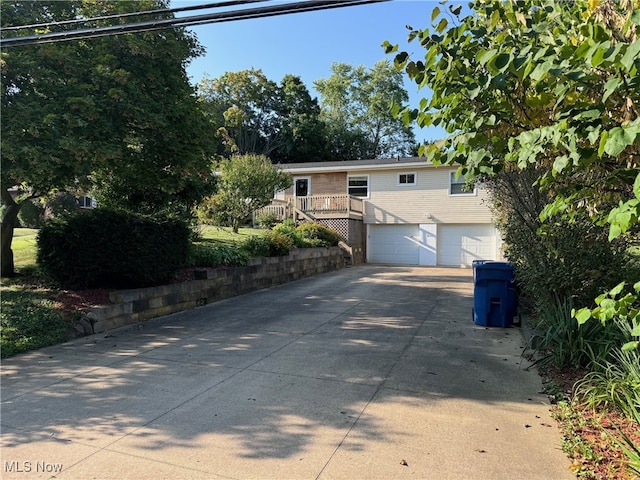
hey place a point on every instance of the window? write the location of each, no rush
(86, 202)
(458, 186)
(358, 186)
(406, 179)
(302, 186)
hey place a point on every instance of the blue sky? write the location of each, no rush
(306, 44)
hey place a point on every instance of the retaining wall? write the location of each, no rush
(140, 304)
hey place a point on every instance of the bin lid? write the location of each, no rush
(490, 265)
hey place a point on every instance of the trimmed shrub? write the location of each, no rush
(280, 244)
(108, 248)
(288, 228)
(318, 235)
(256, 246)
(272, 244)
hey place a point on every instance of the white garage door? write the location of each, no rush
(393, 244)
(460, 245)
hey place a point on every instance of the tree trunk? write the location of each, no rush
(9, 221)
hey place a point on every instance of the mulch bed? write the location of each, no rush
(597, 427)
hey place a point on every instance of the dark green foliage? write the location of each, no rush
(319, 235)
(562, 342)
(207, 255)
(61, 204)
(558, 259)
(106, 248)
(267, 219)
(257, 246)
(288, 228)
(29, 321)
(280, 243)
(271, 244)
(31, 214)
(116, 115)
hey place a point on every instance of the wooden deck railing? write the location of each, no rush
(329, 204)
(280, 209)
(316, 205)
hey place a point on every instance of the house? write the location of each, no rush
(395, 211)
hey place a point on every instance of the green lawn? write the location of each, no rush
(24, 248)
(226, 236)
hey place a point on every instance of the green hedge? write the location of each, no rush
(318, 234)
(107, 248)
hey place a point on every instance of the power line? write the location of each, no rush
(146, 26)
(228, 3)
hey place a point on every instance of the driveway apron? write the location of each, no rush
(373, 372)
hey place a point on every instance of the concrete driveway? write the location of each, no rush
(373, 372)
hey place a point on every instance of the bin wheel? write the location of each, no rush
(473, 315)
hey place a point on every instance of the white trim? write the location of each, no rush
(460, 181)
(348, 168)
(407, 184)
(349, 165)
(308, 179)
(368, 185)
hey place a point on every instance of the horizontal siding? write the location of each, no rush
(426, 202)
(324, 184)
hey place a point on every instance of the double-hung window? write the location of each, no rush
(358, 185)
(458, 186)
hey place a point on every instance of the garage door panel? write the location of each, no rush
(395, 244)
(460, 245)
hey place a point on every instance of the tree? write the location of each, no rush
(114, 111)
(244, 103)
(357, 106)
(544, 83)
(304, 134)
(536, 82)
(257, 115)
(245, 184)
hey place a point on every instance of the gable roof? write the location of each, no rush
(351, 165)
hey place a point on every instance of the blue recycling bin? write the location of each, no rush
(494, 294)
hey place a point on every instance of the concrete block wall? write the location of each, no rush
(137, 305)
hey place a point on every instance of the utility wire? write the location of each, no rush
(243, 14)
(228, 3)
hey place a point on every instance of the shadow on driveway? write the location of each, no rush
(370, 372)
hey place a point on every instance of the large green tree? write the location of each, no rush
(540, 82)
(551, 84)
(357, 105)
(113, 111)
(304, 134)
(244, 105)
(256, 115)
(245, 184)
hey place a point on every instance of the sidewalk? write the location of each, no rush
(373, 372)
